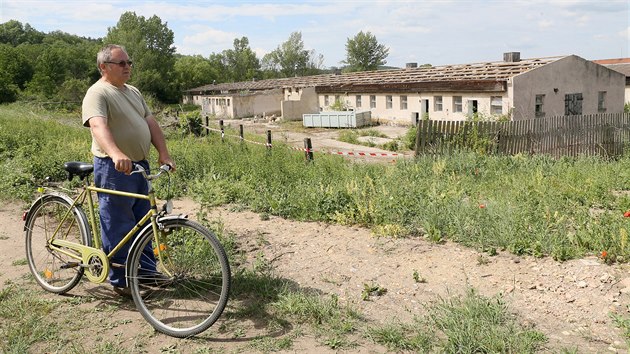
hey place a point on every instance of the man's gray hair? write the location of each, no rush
(105, 54)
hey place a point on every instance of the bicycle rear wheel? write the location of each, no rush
(190, 289)
(54, 271)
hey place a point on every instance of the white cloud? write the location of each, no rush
(260, 52)
(209, 37)
(545, 24)
(208, 11)
(444, 31)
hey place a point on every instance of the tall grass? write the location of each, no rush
(470, 323)
(536, 205)
(34, 146)
(528, 205)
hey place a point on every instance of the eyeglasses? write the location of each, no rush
(121, 63)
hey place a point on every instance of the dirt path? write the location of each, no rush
(570, 302)
(324, 141)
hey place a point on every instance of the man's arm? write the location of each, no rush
(157, 139)
(105, 139)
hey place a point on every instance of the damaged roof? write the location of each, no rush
(491, 76)
(621, 65)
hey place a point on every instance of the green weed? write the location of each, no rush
(418, 278)
(25, 320)
(372, 289)
(19, 262)
(460, 324)
(622, 322)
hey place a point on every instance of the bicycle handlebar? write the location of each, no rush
(139, 169)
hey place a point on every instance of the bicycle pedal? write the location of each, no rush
(70, 265)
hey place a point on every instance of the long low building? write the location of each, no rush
(512, 89)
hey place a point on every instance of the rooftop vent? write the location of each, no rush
(411, 65)
(512, 57)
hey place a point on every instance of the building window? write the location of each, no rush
(326, 101)
(457, 104)
(437, 103)
(601, 101)
(228, 102)
(496, 105)
(403, 102)
(389, 102)
(572, 104)
(540, 103)
(358, 105)
(372, 101)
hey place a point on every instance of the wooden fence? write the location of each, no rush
(600, 134)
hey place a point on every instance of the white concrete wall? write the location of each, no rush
(568, 75)
(241, 105)
(298, 102)
(397, 115)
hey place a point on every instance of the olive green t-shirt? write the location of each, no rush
(126, 112)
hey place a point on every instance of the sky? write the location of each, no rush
(437, 32)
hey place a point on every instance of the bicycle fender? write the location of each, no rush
(148, 228)
(42, 199)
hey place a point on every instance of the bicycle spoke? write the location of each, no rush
(195, 294)
(53, 214)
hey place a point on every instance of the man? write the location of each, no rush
(123, 129)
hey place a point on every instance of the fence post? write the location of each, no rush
(222, 131)
(240, 132)
(268, 139)
(207, 125)
(418, 132)
(308, 149)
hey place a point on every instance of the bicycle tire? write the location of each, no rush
(45, 264)
(193, 291)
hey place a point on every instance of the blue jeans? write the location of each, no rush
(120, 214)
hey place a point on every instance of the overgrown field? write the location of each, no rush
(539, 206)
(528, 205)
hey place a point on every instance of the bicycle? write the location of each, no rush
(191, 289)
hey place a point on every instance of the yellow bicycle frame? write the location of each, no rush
(88, 252)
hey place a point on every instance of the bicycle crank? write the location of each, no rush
(93, 259)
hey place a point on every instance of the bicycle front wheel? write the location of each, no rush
(180, 285)
(53, 270)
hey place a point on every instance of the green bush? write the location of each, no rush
(409, 140)
(191, 123)
(349, 136)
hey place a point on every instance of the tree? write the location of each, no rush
(241, 62)
(193, 71)
(61, 62)
(14, 33)
(149, 44)
(51, 70)
(291, 59)
(315, 63)
(363, 52)
(17, 68)
(49, 73)
(217, 62)
(8, 90)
